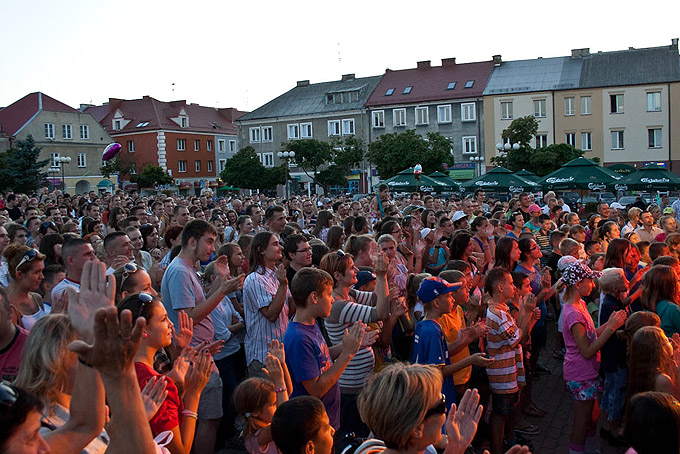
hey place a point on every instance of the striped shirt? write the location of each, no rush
(506, 374)
(259, 289)
(359, 307)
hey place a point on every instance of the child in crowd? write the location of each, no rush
(582, 360)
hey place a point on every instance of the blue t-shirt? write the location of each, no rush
(307, 357)
(429, 347)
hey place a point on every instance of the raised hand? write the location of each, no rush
(222, 267)
(370, 337)
(199, 372)
(115, 342)
(153, 395)
(182, 337)
(274, 370)
(281, 275)
(353, 337)
(461, 423)
(381, 264)
(94, 294)
(617, 319)
(231, 285)
(276, 348)
(479, 359)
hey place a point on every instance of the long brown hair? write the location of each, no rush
(659, 283)
(260, 243)
(650, 355)
(616, 251)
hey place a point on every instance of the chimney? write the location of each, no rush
(497, 60)
(424, 64)
(84, 106)
(577, 53)
(448, 61)
(674, 43)
(346, 77)
(303, 83)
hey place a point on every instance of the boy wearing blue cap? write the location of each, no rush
(429, 345)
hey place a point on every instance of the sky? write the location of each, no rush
(243, 54)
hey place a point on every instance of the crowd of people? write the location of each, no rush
(160, 323)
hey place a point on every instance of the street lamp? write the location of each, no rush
(507, 146)
(53, 171)
(476, 160)
(60, 161)
(286, 156)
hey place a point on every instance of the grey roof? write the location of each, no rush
(631, 67)
(541, 74)
(311, 99)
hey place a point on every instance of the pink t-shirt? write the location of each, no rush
(10, 356)
(576, 367)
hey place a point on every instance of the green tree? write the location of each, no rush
(123, 166)
(151, 176)
(244, 170)
(392, 153)
(520, 131)
(20, 169)
(548, 159)
(310, 155)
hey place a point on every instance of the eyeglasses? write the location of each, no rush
(8, 394)
(145, 299)
(28, 256)
(309, 249)
(438, 409)
(128, 269)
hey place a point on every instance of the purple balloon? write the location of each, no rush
(110, 151)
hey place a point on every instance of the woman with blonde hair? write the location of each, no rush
(25, 266)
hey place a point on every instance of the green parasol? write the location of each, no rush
(649, 177)
(446, 180)
(405, 181)
(579, 173)
(528, 175)
(500, 179)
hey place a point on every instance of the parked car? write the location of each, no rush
(571, 198)
(604, 197)
(627, 200)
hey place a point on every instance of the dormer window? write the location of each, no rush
(343, 97)
(184, 122)
(116, 125)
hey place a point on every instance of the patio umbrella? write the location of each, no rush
(622, 169)
(579, 173)
(528, 175)
(500, 179)
(445, 179)
(649, 177)
(405, 181)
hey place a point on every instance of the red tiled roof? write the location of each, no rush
(159, 114)
(429, 83)
(17, 114)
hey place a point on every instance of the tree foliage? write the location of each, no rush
(392, 153)
(123, 166)
(152, 176)
(244, 170)
(310, 155)
(20, 169)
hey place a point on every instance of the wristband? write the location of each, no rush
(281, 390)
(190, 414)
(84, 363)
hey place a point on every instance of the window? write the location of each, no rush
(451, 86)
(444, 114)
(293, 131)
(343, 97)
(181, 166)
(181, 144)
(407, 90)
(616, 103)
(221, 145)
(348, 127)
(223, 164)
(254, 135)
(469, 83)
(131, 146)
(617, 140)
(306, 130)
(654, 135)
(654, 101)
(389, 92)
(197, 145)
(82, 160)
(208, 145)
(116, 125)
(53, 159)
(468, 112)
(585, 105)
(84, 132)
(334, 127)
(541, 140)
(67, 131)
(399, 117)
(267, 134)
(210, 166)
(379, 119)
(586, 141)
(506, 110)
(197, 166)
(470, 145)
(232, 146)
(539, 108)
(422, 117)
(267, 159)
(184, 121)
(570, 139)
(133, 168)
(568, 106)
(49, 130)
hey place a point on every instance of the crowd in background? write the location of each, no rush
(398, 323)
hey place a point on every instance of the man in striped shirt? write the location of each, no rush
(506, 373)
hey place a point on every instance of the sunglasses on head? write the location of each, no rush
(28, 256)
(145, 299)
(128, 269)
(438, 409)
(8, 394)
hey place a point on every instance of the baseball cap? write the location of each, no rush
(364, 277)
(668, 210)
(432, 287)
(576, 272)
(411, 208)
(533, 208)
(458, 215)
(617, 205)
(565, 261)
